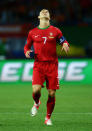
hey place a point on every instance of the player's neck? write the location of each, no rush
(44, 25)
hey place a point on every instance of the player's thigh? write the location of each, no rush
(52, 81)
(37, 80)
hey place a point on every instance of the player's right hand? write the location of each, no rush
(28, 53)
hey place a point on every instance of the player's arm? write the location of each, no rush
(65, 45)
(28, 45)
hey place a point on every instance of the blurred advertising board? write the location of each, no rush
(71, 71)
(15, 30)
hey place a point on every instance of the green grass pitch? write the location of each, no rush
(73, 110)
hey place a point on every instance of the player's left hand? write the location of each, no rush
(65, 47)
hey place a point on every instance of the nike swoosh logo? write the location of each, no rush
(36, 35)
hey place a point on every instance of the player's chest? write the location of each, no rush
(44, 36)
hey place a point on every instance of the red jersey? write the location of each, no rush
(44, 43)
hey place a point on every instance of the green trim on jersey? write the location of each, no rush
(43, 28)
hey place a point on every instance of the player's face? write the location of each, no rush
(44, 15)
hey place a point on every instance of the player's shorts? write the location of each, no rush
(46, 71)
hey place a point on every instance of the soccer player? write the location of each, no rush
(44, 38)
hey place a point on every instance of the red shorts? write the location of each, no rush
(46, 71)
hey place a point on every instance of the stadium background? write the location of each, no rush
(73, 110)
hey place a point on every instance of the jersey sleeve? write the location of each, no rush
(61, 38)
(29, 42)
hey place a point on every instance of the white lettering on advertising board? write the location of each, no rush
(9, 71)
(69, 72)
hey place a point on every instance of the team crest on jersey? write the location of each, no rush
(51, 35)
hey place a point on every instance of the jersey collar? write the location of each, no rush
(43, 28)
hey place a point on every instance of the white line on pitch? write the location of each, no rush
(57, 113)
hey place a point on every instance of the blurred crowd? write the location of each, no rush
(68, 12)
(24, 13)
